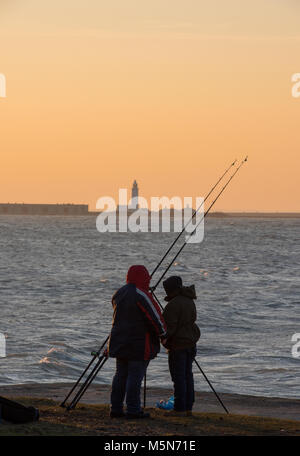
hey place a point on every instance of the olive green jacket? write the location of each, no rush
(180, 316)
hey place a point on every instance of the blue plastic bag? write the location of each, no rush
(166, 405)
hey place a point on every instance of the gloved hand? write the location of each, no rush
(164, 341)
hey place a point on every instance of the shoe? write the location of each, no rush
(137, 416)
(117, 414)
(176, 413)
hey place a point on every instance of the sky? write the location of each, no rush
(168, 92)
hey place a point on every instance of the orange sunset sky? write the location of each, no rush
(165, 91)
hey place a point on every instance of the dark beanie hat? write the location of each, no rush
(172, 284)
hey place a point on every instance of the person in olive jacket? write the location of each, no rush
(182, 335)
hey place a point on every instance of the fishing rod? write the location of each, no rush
(194, 213)
(180, 250)
(205, 214)
(82, 387)
(103, 358)
(152, 289)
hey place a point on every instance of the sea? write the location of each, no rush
(58, 274)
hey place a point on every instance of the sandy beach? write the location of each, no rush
(237, 404)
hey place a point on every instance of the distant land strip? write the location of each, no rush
(83, 210)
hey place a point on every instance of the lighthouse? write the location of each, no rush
(134, 196)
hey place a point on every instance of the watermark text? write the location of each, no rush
(2, 345)
(163, 215)
(296, 346)
(2, 86)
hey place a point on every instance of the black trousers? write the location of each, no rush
(127, 383)
(181, 370)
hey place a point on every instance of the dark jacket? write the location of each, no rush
(180, 317)
(137, 320)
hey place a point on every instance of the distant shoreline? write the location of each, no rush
(278, 215)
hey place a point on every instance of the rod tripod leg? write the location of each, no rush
(87, 383)
(95, 355)
(214, 391)
(82, 386)
(77, 383)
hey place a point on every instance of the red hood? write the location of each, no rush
(140, 276)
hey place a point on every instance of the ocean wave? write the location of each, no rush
(59, 278)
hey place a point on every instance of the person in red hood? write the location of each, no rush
(134, 340)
